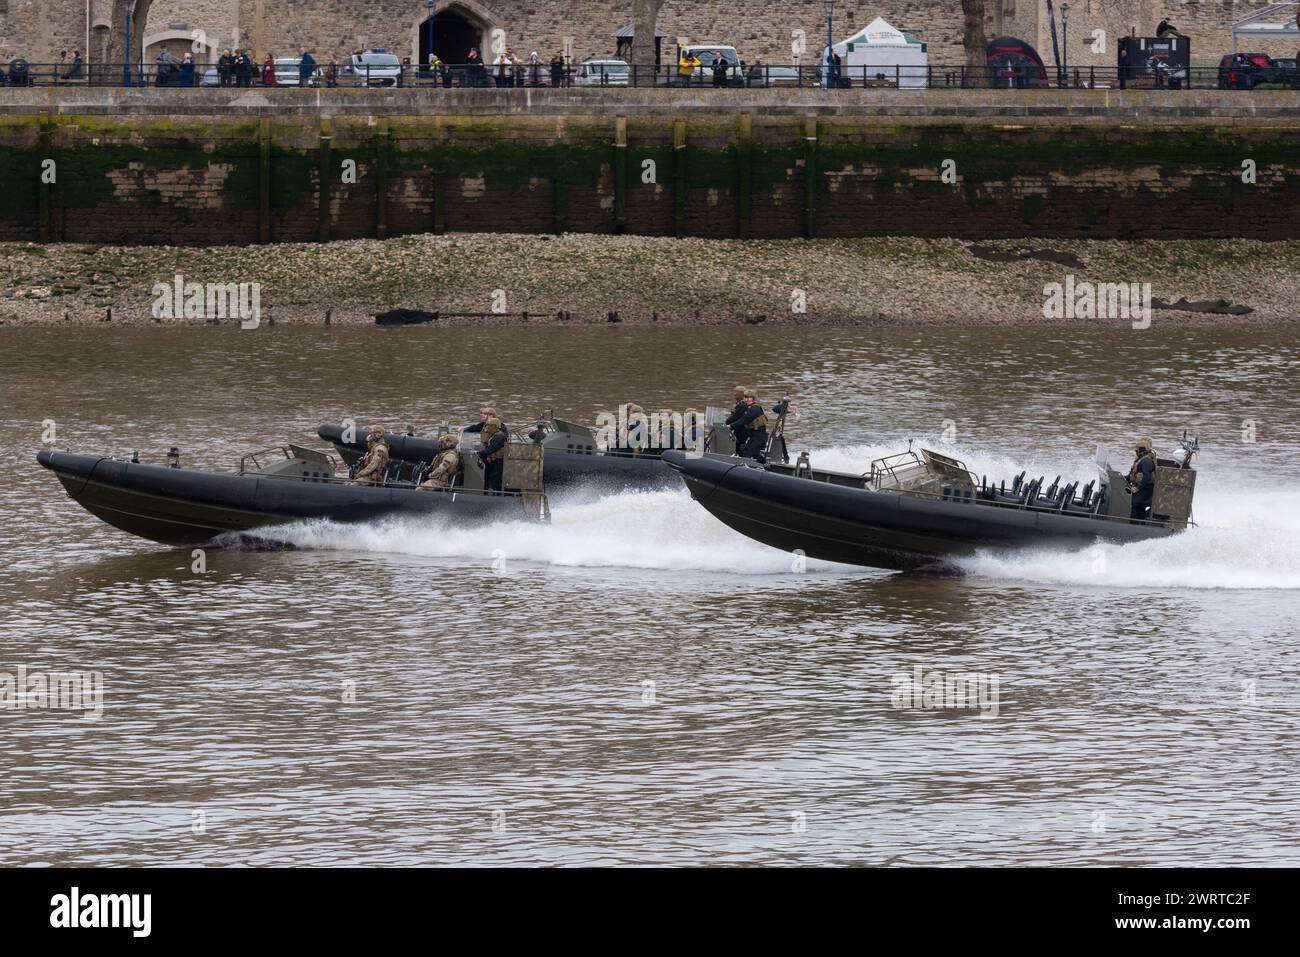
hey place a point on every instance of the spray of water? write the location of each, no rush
(1248, 537)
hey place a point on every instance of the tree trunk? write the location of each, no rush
(975, 43)
(645, 19)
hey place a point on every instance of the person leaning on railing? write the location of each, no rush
(74, 71)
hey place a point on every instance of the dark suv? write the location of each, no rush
(1288, 72)
(1245, 71)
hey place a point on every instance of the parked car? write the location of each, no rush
(602, 73)
(1245, 71)
(288, 73)
(376, 68)
(1287, 71)
(210, 77)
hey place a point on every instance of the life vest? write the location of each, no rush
(758, 423)
(486, 436)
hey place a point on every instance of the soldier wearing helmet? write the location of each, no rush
(493, 454)
(446, 464)
(638, 427)
(375, 464)
(1142, 479)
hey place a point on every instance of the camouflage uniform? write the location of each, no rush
(637, 427)
(445, 465)
(375, 464)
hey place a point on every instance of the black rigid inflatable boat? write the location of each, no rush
(913, 510)
(178, 506)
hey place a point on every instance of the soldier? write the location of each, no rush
(691, 427)
(375, 464)
(668, 437)
(737, 432)
(488, 413)
(493, 454)
(636, 428)
(754, 424)
(1142, 479)
(446, 464)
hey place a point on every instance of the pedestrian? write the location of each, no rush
(475, 68)
(187, 71)
(225, 68)
(557, 70)
(268, 70)
(501, 63)
(165, 66)
(306, 68)
(332, 73)
(74, 71)
(719, 70)
(686, 66)
(534, 69)
(244, 68)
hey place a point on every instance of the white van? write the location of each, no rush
(704, 53)
(602, 73)
(376, 68)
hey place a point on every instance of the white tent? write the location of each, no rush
(878, 50)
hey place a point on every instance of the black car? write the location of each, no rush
(1287, 71)
(1245, 71)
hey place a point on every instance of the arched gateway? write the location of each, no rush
(458, 25)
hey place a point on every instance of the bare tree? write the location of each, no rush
(974, 41)
(645, 23)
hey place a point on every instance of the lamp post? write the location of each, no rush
(830, 43)
(1065, 44)
(126, 57)
(429, 61)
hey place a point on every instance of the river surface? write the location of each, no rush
(636, 683)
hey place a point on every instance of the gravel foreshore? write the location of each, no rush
(498, 278)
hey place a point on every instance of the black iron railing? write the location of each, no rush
(756, 75)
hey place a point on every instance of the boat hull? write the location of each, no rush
(192, 507)
(857, 526)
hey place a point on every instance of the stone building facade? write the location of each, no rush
(40, 29)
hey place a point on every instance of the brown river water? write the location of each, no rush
(636, 683)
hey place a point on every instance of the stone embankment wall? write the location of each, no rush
(228, 166)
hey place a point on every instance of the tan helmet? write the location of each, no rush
(376, 435)
(448, 441)
(1145, 443)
